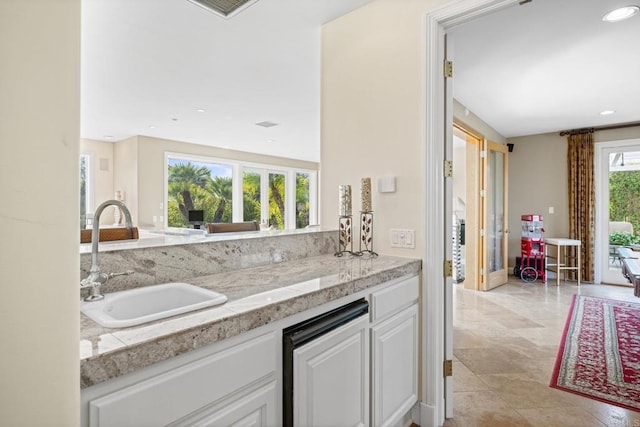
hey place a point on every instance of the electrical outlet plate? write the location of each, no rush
(403, 238)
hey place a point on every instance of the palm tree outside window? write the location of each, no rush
(194, 185)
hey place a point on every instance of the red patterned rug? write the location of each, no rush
(599, 355)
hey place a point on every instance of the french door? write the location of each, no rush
(493, 229)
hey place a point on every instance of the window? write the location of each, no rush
(85, 189)
(198, 185)
(232, 191)
(277, 213)
(251, 199)
(302, 199)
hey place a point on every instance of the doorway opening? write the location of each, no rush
(466, 206)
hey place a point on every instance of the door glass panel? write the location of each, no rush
(496, 211)
(624, 203)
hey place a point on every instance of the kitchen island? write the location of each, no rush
(230, 356)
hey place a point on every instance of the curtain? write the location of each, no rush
(580, 157)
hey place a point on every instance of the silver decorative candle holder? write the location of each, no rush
(345, 223)
(345, 239)
(366, 234)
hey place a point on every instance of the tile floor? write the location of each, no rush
(505, 346)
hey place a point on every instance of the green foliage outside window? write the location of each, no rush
(302, 200)
(624, 198)
(207, 186)
(276, 200)
(195, 186)
(623, 238)
(251, 196)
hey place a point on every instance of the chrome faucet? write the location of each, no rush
(96, 278)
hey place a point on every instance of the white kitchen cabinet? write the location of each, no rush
(395, 367)
(234, 385)
(255, 408)
(362, 373)
(331, 378)
(395, 344)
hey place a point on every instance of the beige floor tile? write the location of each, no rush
(560, 417)
(465, 380)
(490, 360)
(484, 409)
(464, 338)
(523, 392)
(609, 415)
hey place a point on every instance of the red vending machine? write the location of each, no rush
(531, 265)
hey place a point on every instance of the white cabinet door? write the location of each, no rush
(191, 388)
(254, 409)
(395, 366)
(331, 378)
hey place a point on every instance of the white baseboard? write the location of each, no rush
(428, 416)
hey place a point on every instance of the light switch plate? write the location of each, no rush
(403, 238)
(387, 184)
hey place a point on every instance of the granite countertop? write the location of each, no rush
(256, 296)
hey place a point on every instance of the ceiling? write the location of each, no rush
(549, 65)
(148, 66)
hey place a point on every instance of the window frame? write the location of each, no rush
(239, 167)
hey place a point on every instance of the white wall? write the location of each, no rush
(125, 175)
(373, 110)
(537, 181)
(39, 181)
(101, 180)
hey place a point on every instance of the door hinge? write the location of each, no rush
(481, 193)
(482, 271)
(448, 268)
(482, 232)
(448, 69)
(447, 368)
(448, 168)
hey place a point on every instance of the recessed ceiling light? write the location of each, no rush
(606, 112)
(108, 137)
(621, 14)
(152, 127)
(271, 141)
(201, 110)
(267, 124)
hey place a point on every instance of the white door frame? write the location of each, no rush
(432, 407)
(602, 150)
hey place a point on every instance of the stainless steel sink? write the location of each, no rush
(141, 305)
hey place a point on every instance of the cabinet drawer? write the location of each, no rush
(181, 391)
(393, 298)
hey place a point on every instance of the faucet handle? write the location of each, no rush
(124, 273)
(86, 283)
(95, 291)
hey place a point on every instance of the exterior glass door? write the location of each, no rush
(619, 207)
